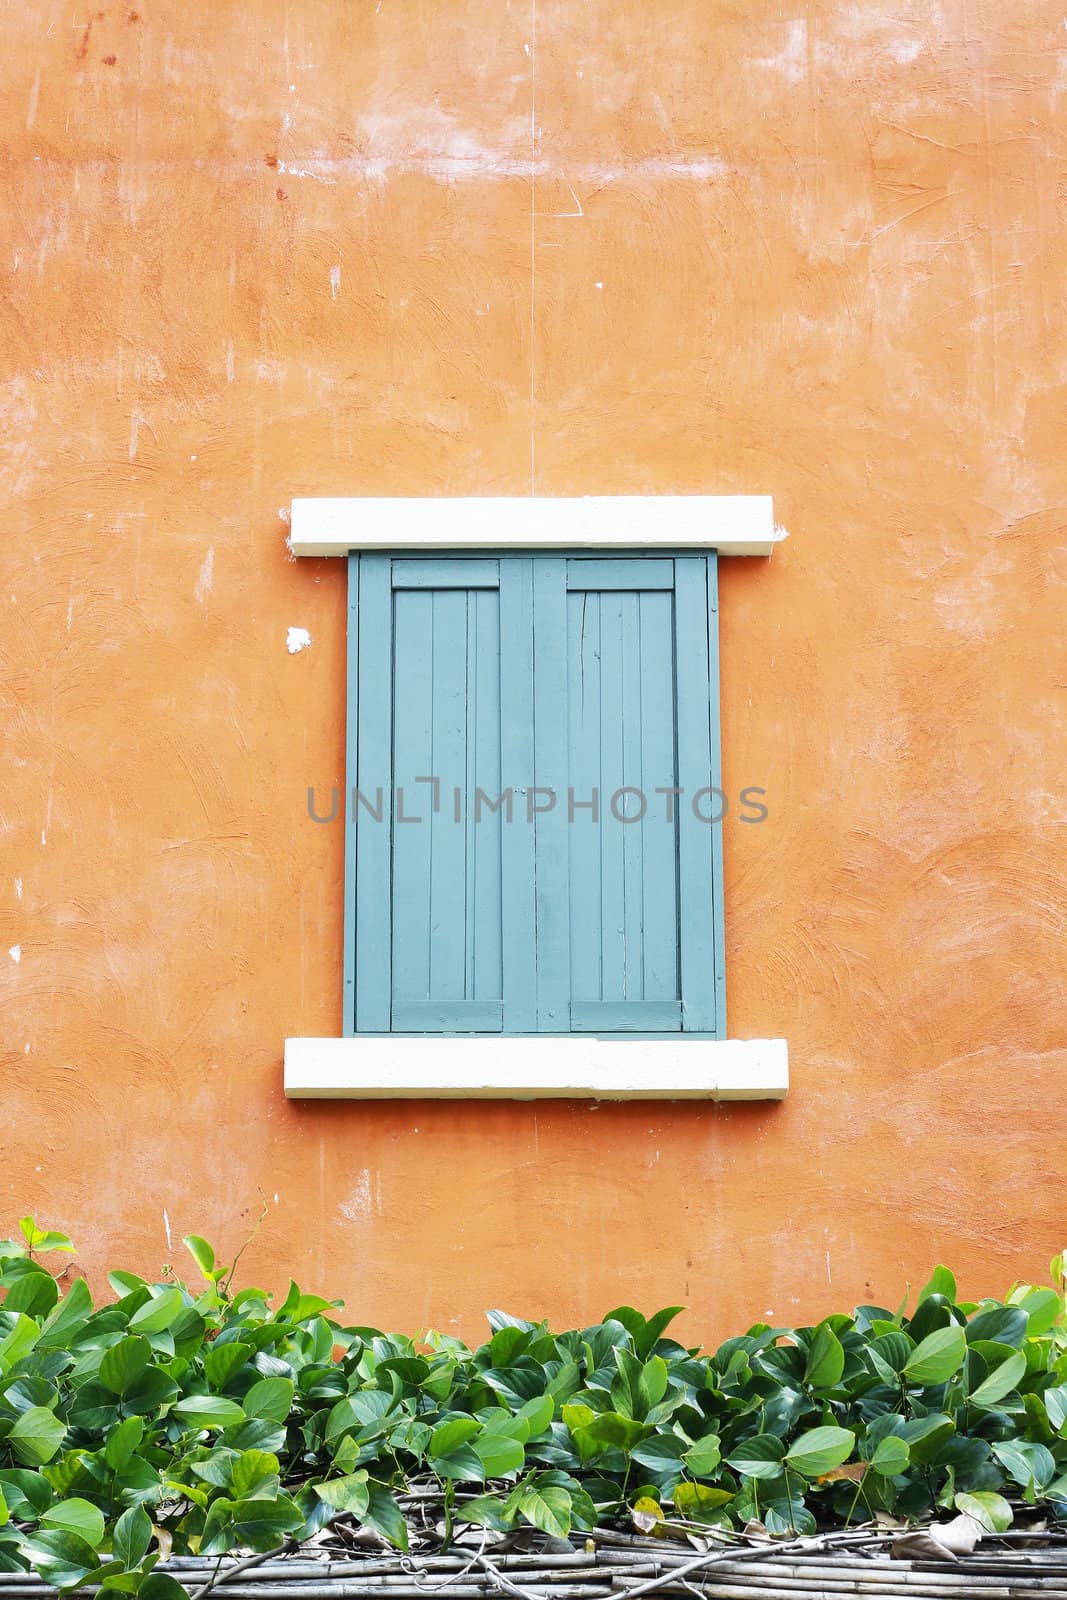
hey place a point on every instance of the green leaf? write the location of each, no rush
(608, 1431)
(449, 1436)
(1056, 1406)
(122, 1442)
(939, 1355)
(74, 1308)
(161, 1586)
(26, 1493)
(1005, 1324)
(1031, 1465)
(253, 1473)
(263, 1524)
(62, 1558)
(577, 1416)
(652, 1383)
(36, 1436)
(1043, 1308)
(221, 1361)
(202, 1254)
(699, 1502)
(350, 1493)
(38, 1240)
(157, 1314)
(991, 1511)
(77, 1516)
(132, 1536)
(152, 1390)
(208, 1411)
(547, 1508)
(385, 1516)
(826, 1359)
(270, 1399)
(925, 1436)
(891, 1456)
(537, 1414)
(486, 1510)
(820, 1450)
(18, 1342)
(124, 1363)
(759, 1457)
(1001, 1381)
(498, 1454)
(942, 1281)
(661, 1453)
(703, 1457)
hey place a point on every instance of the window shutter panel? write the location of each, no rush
(560, 684)
(625, 898)
(428, 946)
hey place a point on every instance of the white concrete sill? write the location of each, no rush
(548, 1067)
(734, 525)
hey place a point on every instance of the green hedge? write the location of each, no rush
(205, 1420)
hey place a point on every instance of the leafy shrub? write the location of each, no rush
(208, 1421)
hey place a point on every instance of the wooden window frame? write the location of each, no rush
(694, 1064)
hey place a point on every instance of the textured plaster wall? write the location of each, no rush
(338, 247)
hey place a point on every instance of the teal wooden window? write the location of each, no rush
(580, 694)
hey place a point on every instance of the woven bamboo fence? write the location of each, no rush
(617, 1566)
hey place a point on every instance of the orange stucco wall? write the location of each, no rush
(257, 250)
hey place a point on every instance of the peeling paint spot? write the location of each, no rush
(305, 172)
(166, 1228)
(297, 639)
(335, 281)
(18, 888)
(283, 512)
(15, 953)
(206, 580)
(359, 1206)
(70, 612)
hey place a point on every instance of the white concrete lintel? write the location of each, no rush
(572, 1067)
(737, 525)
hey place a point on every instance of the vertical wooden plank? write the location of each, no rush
(348, 994)
(612, 886)
(373, 867)
(631, 833)
(448, 872)
(583, 685)
(696, 838)
(659, 836)
(550, 765)
(412, 758)
(484, 832)
(517, 773)
(716, 778)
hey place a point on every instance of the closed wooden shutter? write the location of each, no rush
(549, 722)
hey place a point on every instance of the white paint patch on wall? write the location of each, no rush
(18, 888)
(166, 1228)
(15, 953)
(206, 581)
(359, 1207)
(791, 61)
(335, 281)
(297, 639)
